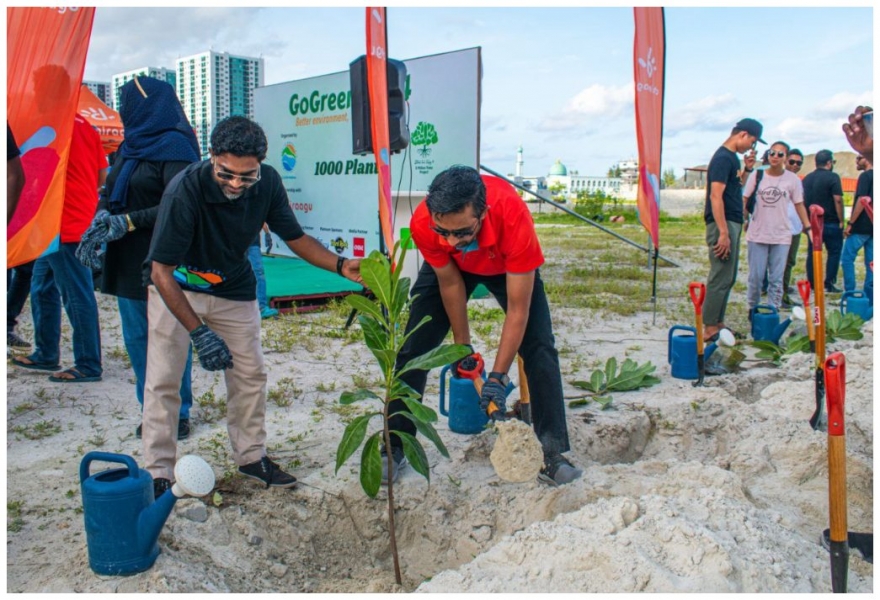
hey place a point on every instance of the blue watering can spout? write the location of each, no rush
(152, 520)
(780, 329)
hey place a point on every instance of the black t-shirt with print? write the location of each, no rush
(206, 236)
(724, 168)
(864, 187)
(820, 187)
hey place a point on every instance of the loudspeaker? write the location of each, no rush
(361, 132)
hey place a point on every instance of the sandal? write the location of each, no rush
(75, 377)
(19, 362)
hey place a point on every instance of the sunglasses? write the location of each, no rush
(457, 233)
(780, 153)
(795, 163)
(246, 180)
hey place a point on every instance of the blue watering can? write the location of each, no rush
(766, 325)
(682, 352)
(464, 412)
(857, 302)
(122, 520)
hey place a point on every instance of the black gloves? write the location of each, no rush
(213, 353)
(493, 400)
(116, 227)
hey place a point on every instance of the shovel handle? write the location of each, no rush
(804, 290)
(835, 392)
(817, 222)
(697, 298)
(474, 373)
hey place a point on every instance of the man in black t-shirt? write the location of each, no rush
(859, 233)
(202, 289)
(822, 187)
(723, 214)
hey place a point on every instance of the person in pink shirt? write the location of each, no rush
(769, 234)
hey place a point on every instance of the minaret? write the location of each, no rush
(519, 161)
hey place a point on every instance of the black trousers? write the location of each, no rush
(538, 351)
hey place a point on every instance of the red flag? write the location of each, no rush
(45, 58)
(377, 79)
(649, 62)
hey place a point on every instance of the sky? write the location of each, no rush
(558, 81)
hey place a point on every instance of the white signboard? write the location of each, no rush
(334, 193)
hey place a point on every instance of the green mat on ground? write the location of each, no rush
(287, 277)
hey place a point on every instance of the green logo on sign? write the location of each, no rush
(425, 135)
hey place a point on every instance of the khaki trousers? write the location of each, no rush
(238, 323)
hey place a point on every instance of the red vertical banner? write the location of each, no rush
(45, 59)
(377, 81)
(649, 62)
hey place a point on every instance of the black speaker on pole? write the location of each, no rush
(361, 132)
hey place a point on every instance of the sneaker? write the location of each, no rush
(268, 313)
(183, 429)
(832, 290)
(14, 341)
(558, 470)
(160, 486)
(398, 460)
(269, 472)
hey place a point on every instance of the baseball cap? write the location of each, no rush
(752, 127)
(823, 157)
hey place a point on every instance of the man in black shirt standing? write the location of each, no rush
(203, 290)
(859, 232)
(822, 187)
(723, 214)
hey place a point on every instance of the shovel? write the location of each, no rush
(816, 224)
(804, 290)
(835, 375)
(698, 309)
(865, 201)
(518, 455)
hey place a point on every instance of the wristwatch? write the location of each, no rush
(128, 221)
(339, 262)
(501, 378)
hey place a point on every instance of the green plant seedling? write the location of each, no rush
(631, 376)
(383, 324)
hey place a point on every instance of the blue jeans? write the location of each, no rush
(851, 247)
(133, 314)
(538, 350)
(832, 237)
(255, 255)
(61, 277)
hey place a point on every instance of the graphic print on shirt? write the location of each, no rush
(194, 279)
(771, 195)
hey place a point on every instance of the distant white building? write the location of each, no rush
(573, 182)
(120, 79)
(102, 89)
(215, 85)
(533, 183)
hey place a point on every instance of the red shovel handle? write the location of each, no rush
(835, 391)
(804, 289)
(817, 221)
(865, 201)
(476, 371)
(697, 299)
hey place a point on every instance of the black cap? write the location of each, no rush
(752, 127)
(823, 157)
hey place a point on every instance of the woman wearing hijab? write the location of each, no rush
(159, 143)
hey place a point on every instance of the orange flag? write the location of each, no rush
(45, 58)
(377, 79)
(649, 62)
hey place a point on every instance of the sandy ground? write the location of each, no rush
(715, 489)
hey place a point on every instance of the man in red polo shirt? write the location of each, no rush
(472, 230)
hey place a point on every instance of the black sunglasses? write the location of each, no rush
(246, 180)
(779, 153)
(795, 162)
(459, 233)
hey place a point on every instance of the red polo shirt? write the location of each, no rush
(507, 239)
(86, 160)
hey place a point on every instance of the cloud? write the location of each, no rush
(842, 104)
(712, 113)
(590, 108)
